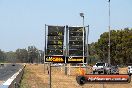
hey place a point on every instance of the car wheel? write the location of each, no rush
(80, 80)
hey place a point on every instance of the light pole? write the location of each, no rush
(109, 61)
(82, 15)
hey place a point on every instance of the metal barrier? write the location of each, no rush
(14, 81)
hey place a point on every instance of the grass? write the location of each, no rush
(31, 79)
(34, 77)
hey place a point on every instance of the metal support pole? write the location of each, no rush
(83, 40)
(87, 50)
(49, 75)
(87, 45)
(109, 61)
(66, 48)
(44, 48)
(82, 15)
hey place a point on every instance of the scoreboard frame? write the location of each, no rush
(65, 57)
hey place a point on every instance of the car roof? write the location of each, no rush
(130, 66)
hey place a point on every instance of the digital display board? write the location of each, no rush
(76, 41)
(56, 30)
(55, 40)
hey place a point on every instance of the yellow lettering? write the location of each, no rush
(60, 33)
(74, 59)
(60, 42)
(54, 59)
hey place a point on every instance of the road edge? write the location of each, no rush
(14, 81)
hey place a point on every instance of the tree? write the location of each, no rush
(2, 56)
(121, 46)
(93, 57)
(11, 57)
(32, 54)
(22, 55)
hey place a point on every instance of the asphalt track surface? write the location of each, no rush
(8, 70)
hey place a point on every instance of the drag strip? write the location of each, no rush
(7, 70)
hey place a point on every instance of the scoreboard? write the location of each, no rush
(75, 41)
(55, 40)
(74, 44)
(75, 48)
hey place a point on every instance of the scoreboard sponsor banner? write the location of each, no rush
(55, 59)
(61, 59)
(75, 59)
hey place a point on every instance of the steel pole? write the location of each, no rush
(49, 75)
(109, 61)
(83, 39)
(87, 45)
(87, 50)
(44, 48)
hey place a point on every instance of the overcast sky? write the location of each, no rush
(22, 21)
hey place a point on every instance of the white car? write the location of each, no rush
(102, 67)
(129, 70)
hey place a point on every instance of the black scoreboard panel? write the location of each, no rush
(76, 52)
(55, 47)
(75, 41)
(54, 52)
(55, 40)
(76, 33)
(55, 30)
(76, 38)
(75, 46)
(72, 42)
(55, 37)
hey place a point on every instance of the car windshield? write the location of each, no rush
(129, 66)
(100, 64)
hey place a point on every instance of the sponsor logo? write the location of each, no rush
(106, 79)
(76, 59)
(54, 59)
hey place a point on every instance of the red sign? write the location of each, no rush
(109, 78)
(82, 79)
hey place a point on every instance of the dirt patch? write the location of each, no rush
(35, 77)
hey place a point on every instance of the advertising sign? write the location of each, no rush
(109, 78)
(55, 59)
(75, 59)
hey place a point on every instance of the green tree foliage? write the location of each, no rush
(121, 46)
(30, 55)
(11, 57)
(33, 54)
(22, 55)
(93, 57)
(2, 56)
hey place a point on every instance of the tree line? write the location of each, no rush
(120, 47)
(120, 50)
(30, 55)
